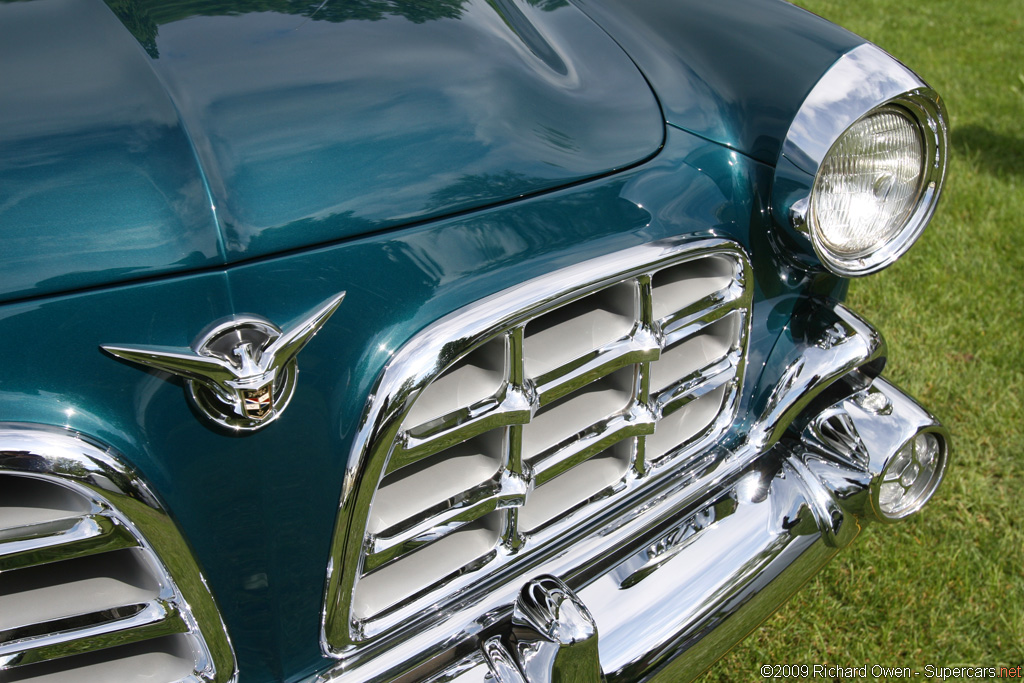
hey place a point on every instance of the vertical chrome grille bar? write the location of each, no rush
(646, 314)
(512, 540)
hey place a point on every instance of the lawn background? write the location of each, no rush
(946, 587)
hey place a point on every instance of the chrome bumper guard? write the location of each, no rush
(733, 542)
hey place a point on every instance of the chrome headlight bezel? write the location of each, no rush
(861, 84)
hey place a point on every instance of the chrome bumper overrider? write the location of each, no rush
(698, 566)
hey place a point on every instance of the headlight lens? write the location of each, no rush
(868, 185)
(877, 186)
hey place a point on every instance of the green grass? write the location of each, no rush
(946, 587)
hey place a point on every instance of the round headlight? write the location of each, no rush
(876, 188)
(868, 184)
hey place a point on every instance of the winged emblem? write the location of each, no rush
(240, 373)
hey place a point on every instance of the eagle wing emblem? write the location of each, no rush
(241, 373)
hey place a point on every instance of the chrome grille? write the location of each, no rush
(83, 594)
(508, 424)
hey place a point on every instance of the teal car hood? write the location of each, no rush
(713, 78)
(218, 133)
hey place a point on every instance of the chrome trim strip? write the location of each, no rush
(635, 349)
(383, 549)
(513, 407)
(705, 311)
(563, 456)
(698, 383)
(97, 472)
(860, 80)
(838, 344)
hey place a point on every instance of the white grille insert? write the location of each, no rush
(578, 328)
(551, 500)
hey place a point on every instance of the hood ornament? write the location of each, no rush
(239, 372)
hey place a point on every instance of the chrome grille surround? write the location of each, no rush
(96, 582)
(670, 297)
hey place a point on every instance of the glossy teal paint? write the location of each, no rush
(98, 182)
(306, 129)
(733, 72)
(317, 125)
(259, 510)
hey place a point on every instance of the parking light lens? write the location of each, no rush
(911, 477)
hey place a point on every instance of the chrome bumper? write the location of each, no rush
(674, 607)
(733, 542)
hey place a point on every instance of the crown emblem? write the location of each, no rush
(241, 372)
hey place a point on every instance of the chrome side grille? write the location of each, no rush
(509, 424)
(83, 593)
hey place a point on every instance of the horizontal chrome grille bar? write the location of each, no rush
(699, 383)
(61, 539)
(639, 347)
(513, 492)
(514, 408)
(83, 633)
(571, 452)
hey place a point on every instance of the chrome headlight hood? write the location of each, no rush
(862, 88)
